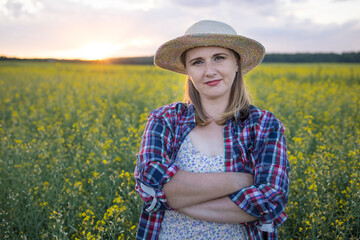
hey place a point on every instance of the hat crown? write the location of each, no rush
(212, 27)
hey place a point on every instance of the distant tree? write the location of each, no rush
(351, 57)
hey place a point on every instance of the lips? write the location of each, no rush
(213, 83)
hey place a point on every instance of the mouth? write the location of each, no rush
(213, 83)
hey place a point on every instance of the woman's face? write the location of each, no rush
(212, 70)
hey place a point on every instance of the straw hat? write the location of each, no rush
(209, 33)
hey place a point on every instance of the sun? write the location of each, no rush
(97, 51)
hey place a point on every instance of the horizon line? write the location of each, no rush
(3, 56)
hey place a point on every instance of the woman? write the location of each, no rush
(214, 167)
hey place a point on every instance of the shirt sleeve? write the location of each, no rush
(154, 168)
(267, 197)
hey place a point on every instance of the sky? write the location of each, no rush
(98, 29)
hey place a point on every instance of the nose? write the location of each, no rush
(210, 71)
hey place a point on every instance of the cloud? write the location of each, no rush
(59, 28)
(323, 11)
(197, 4)
(214, 3)
(17, 8)
(306, 36)
(128, 5)
(45, 28)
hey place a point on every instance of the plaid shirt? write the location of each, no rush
(256, 145)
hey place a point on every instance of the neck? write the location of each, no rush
(214, 107)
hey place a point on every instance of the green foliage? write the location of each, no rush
(347, 57)
(70, 132)
(320, 108)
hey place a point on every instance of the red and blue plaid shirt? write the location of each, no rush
(256, 145)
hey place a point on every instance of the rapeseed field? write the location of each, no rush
(69, 133)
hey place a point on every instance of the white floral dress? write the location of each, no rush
(176, 225)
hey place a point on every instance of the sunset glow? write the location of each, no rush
(95, 51)
(95, 30)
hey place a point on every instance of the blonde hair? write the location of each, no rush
(239, 101)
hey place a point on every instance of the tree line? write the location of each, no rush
(349, 57)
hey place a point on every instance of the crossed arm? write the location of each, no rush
(205, 195)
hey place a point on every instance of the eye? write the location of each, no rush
(197, 62)
(219, 58)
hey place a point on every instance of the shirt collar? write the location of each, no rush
(238, 121)
(189, 116)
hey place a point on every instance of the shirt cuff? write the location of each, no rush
(151, 190)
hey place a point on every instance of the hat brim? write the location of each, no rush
(168, 55)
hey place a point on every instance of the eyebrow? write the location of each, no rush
(195, 59)
(214, 55)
